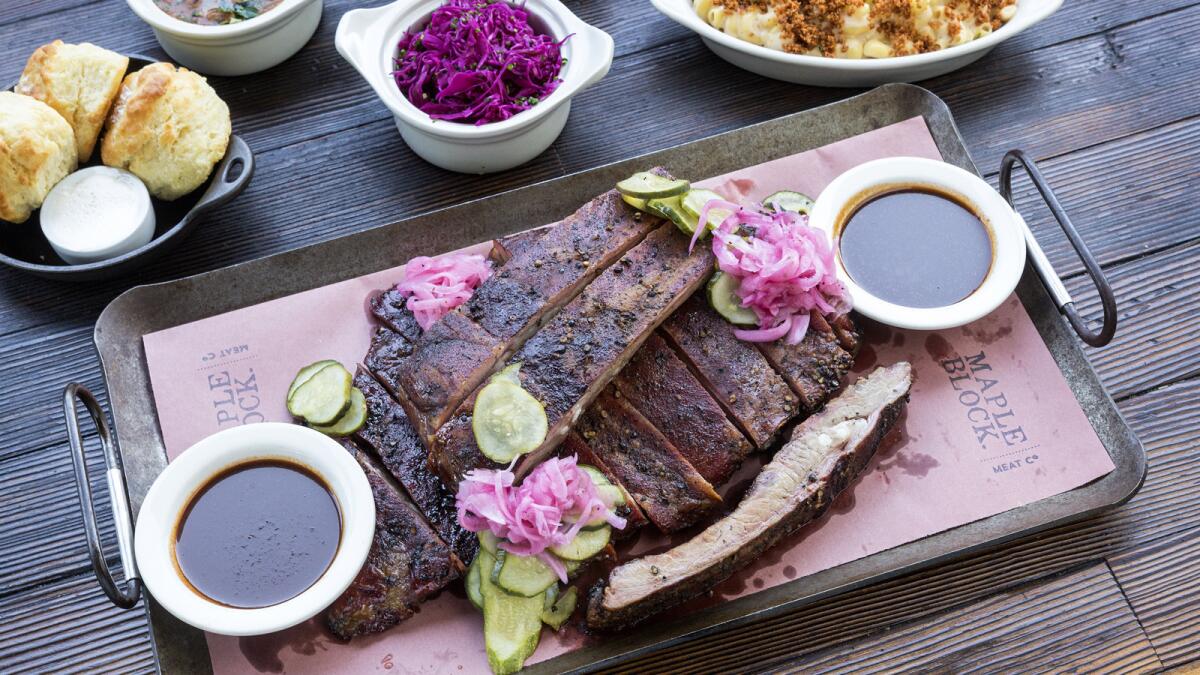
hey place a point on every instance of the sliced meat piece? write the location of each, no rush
(458, 352)
(570, 361)
(518, 243)
(406, 564)
(815, 368)
(387, 358)
(670, 491)
(388, 433)
(736, 373)
(848, 333)
(390, 308)
(666, 392)
(635, 519)
(825, 454)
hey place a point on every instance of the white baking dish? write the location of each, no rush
(235, 49)
(831, 72)
(367, 38)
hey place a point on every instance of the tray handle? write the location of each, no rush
(124, 596)
(1042, 264)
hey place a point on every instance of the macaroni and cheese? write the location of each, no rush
(855, 29)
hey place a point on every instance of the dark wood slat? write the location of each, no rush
(1162, 584)
(1165, 507)
(1126, 197)
(14, 12)
(70, 627)
(1086, 18)
(1155, 341)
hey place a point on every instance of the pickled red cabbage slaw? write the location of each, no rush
(548, 508)
(477, 61)
(785, 269)
(435, 286)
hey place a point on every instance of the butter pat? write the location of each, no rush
(96, 214)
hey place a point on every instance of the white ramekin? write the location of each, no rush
(367, 38)
(828, 72)
(854, 187)
(173, 489)
(236, 49)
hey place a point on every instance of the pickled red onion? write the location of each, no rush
(434, 286)
(785, 269)
(529, 518)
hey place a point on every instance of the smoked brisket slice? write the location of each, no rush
(825, 454)
(665, 391)
(815, 368)
(667, 488)
(635, 519)
(468, 344)
(390, 308)
(736, 373)
(406, 564)
(574, 356)
(388, 433)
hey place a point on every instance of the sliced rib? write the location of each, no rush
(671, 493)
(635, 518)
(825, 454)
(574, 356)
(815, 368)
(454, 355)
(665, 391)
(406, 564)
(388, 433)
(736, 373)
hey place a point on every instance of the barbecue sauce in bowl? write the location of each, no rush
(257, 534)
(916, 247)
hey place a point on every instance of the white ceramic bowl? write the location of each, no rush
(859, 184)
(174, 487)
(367, 38)
(829, 72)
(236, 49)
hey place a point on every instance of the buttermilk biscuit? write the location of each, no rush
(37, 149)
(80, 82)
(169, 128)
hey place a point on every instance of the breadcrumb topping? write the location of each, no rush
(909, 26)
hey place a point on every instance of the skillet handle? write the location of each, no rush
(125, 596)
(1065, 304)
(230, 176)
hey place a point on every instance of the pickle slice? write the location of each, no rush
(352, 420)
(787, 200)
(586, 544)
(305, 373)
(722, 295)
(646, 185)
(559, 606)
(507, 421)
(639, 204)
(324, 397)
(671, 209)
(693, 203)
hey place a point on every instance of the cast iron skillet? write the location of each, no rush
(25, 248)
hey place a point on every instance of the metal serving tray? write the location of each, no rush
(147, 309)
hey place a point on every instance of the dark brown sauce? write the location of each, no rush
(215, 12)
(916, 247)
(258, 534)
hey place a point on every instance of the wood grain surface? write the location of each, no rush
(1104, 95)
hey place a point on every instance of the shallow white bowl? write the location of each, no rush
(829, 72)
(367, 38)
(855, 186)
(175, 486)
(236, 49)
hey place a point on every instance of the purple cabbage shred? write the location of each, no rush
(477, 62)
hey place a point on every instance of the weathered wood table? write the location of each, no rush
(1105, 95)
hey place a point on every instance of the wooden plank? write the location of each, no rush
(1162, 583)
(1127, 198)
(1164, 508)
(70, 627)
(1077, 622)
(15, 12)
(1156, 300)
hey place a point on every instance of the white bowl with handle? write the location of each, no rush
(834, 72)
(367, 38)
